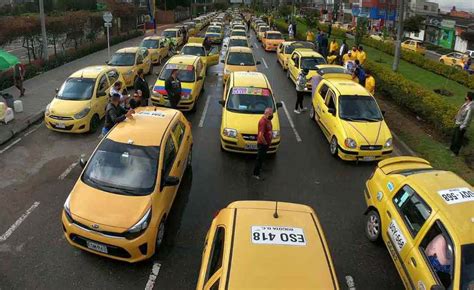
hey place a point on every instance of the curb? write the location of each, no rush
(405, 147)
(22, 127)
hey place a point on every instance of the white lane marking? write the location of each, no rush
(68, 170)
(255, 45)
(265, 63)
(350, 283)
(18, 222)
(297, 135)
(204, 112)
(10, 145)
(153, 275)
(32, 130)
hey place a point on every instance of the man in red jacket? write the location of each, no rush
(264, 139)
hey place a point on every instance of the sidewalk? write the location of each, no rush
(40, 90)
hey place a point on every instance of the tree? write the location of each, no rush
(311, 18)
(413, 24)
(361, 30)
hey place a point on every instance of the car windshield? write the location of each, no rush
(122, 59)
(274, 36)
(238, 33)
(238, 42)
(250, 100)
(185, 72)
(240, 58)
(193, 50)
(359, 108)
(214, 29)
(76, 89)
(333, 70)
(467, 266)
(290, 48)
(123, 168)
(169, 34)
(263, 29)
(311, 62)
(150, 43)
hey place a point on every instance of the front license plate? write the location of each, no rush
(251, 147)
(60, 125)
(97, 247)
(368, 158)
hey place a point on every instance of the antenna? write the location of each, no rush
(275, 214)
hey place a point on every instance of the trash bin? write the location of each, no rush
(8, 99)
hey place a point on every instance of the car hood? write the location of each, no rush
(241, 68)
(109, 211)
(159, 87)
(367, 133)
(123, 69)
(246, 123)
(67, 107)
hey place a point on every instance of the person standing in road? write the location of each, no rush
(114, 114)
(142, 85)
(173, 89)
(462, 122)
(137, 100)
(290, 31)
(294, 29)
(18, 77)
(369, 82)
(207, 43)
(300, 90)
(310, 36)
(333, 46)
(324, 45)
(264, 139)
(359, 72)
(361, 55)
(342, 51)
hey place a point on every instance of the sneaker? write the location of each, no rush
(304, 109)
(297, 111)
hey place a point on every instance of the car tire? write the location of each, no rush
(160, 234)
(312, 113)
(333, 146)
(288, 74)
(373, 226)
(189, 162)
(94, 124)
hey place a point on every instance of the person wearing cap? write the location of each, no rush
(173, 89)
(114, 113)
(349, 56)
(300, 90)
(264, 139)
(137, 100)
(462, 122)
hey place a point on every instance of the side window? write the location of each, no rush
(178, 133)
(113, 76)
(145, 53)
(438, 249)
(102, 85)
(215, 286)
(170, 155)
(139, 58)
(217, 253)
(323, 91)
(330, 100)
(413, 210)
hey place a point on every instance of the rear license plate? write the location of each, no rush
(251, 147)
(368, 158)
(60, 125)
(97, 247)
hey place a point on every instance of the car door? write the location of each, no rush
(213, 56)
(181, 138)
(146, 61)
(295, 69)
(292, 64)
(164, 48)
(99, 102)
(170, 169)
(138, 62)
(214, 255)
(405, 219)
(279, 52)
(319, 99)
(329, 113)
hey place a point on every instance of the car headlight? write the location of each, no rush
(232, 133)
(388, 143)
(186, 97)
(67, 209)
(350, 143)
(276, 133)
(82, 113)
(139, 227)
(47, 111)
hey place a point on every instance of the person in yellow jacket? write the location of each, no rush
(310, 36)
(369, 82)
(349, 56)
(361, 55)
(332, 57)
(333, 46)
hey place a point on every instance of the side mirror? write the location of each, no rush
(332, 111)
(139, 62)
(56, 90)
(222, 61)
(258, 62)
(383, 113)
(178, 51)
(83, 161)
(222, 102)
(106, 62)
(200, 78)
(171, 181)
(279, 105)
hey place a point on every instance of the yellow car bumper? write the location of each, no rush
(118, 248)
(363, 155)
(68, 124)
(183, 105)
(239, 145)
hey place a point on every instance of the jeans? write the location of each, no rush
(299, 100)
(105, 131)
(456, 142)
(261, 154)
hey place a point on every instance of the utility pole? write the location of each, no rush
(43, 30)
(398, 43)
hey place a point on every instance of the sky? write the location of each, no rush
(446, 5)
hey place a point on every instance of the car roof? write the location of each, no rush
(145, 120)
(250, 79)
(128, 50)
(154, 37)
(90, 72)
(183, 59)
(307, 52)
(239, 49)
(348, 87)
(262, 266)
(273, 31)
(171, 29)
(193, 44)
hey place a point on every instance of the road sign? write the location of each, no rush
(107, 16)
(108, 24)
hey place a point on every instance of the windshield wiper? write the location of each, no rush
(371, 119)
(111, 188)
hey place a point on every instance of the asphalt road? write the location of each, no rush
(38, 172)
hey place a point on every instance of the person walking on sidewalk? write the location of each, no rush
(264, 139)
(18, 77)
(300, 90)
(114, 114)
(142, 85)
(290, 31)
(173, 89)
(462, 122)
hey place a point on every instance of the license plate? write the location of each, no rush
(251, 147)
(278, 235)
(97, 247)
(60, 125)
(368, 158)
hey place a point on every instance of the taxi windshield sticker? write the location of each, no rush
(179, 66)
(251, 91)
(457, 195)
(152, 114)
(274, 235)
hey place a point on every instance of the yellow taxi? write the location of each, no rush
(261, 31)
(157, 47)
(129, 60)
(239, 58)
(238, 32)
(266, 245)
(191, 28)
(256, 23)
(215, 34)
(238, 41)
(199, 24)
(425, 218)
(303, 58)
(119, 205)
(455, 59)
(174, 34)
(327, 71)
(80, 102)
(351, 120)
(246, 96)
(191, 73)
(195, 47)
(271, 40)
(286, 48)
(414, 45)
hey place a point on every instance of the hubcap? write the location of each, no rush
(333, 146)
(161, 234)
(311, 113)
(373, 226)
(190, 157)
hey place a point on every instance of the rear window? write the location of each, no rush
(240, 58)
(274, 36)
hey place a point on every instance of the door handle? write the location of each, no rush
(179, 163)
(413, 261)
(389, 214)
